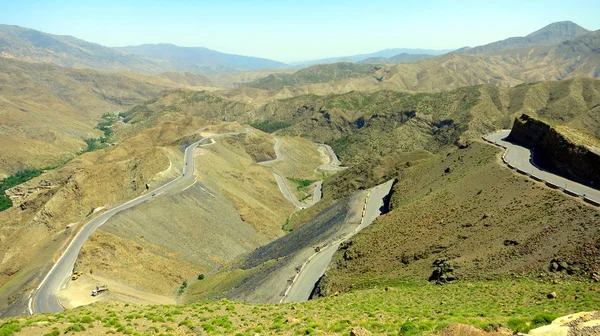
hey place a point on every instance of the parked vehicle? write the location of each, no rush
(99, 290)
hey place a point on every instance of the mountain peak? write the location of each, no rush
(551, 34)
(559, 30)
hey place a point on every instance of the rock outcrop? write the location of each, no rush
(554, 152)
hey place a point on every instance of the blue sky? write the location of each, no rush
(297, 30)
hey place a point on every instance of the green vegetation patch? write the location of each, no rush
(302, 183)
(21, 176)
(105, 126)
(270, 126)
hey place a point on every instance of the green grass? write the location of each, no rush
(406, 308)
(19, 177)
(302, 183)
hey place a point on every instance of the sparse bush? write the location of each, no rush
(409, 328)
(542, 320)
(54, 332)
(185, 323)
(9, 328)
(74, 328)
(208, 327)
(519, 325)
(201, 276)
(222, 321)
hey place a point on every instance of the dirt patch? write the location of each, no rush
(78, 293)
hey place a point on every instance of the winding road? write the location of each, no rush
(520, 158)
(332, 165)
(304, 282)
(44, 299)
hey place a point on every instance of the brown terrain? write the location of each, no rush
(234, 208)
(54, 205)
(47, 110)
(507, 252)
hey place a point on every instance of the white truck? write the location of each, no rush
(99, 290)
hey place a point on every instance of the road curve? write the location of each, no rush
(44, 299)
(332, 165)
(314, 268)
(520, 158)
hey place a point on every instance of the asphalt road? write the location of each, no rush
(520, 158)
(315, 267)
(44, 299)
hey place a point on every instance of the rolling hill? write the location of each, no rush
(577, 57)
(321, 73)
(360, 125)
(48, 110)
(34, 46)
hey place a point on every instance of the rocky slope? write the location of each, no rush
(556, 152)
(463, 215)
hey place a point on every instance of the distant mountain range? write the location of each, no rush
(397, 59)
(386, 53)
(199, 55)
(553, 33)
(34, 46)
(576, 57)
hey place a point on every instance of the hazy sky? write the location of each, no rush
(297, 30)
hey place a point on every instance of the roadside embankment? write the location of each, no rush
(557, 152)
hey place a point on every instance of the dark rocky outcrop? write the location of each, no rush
(443, 272)
(555, 153)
